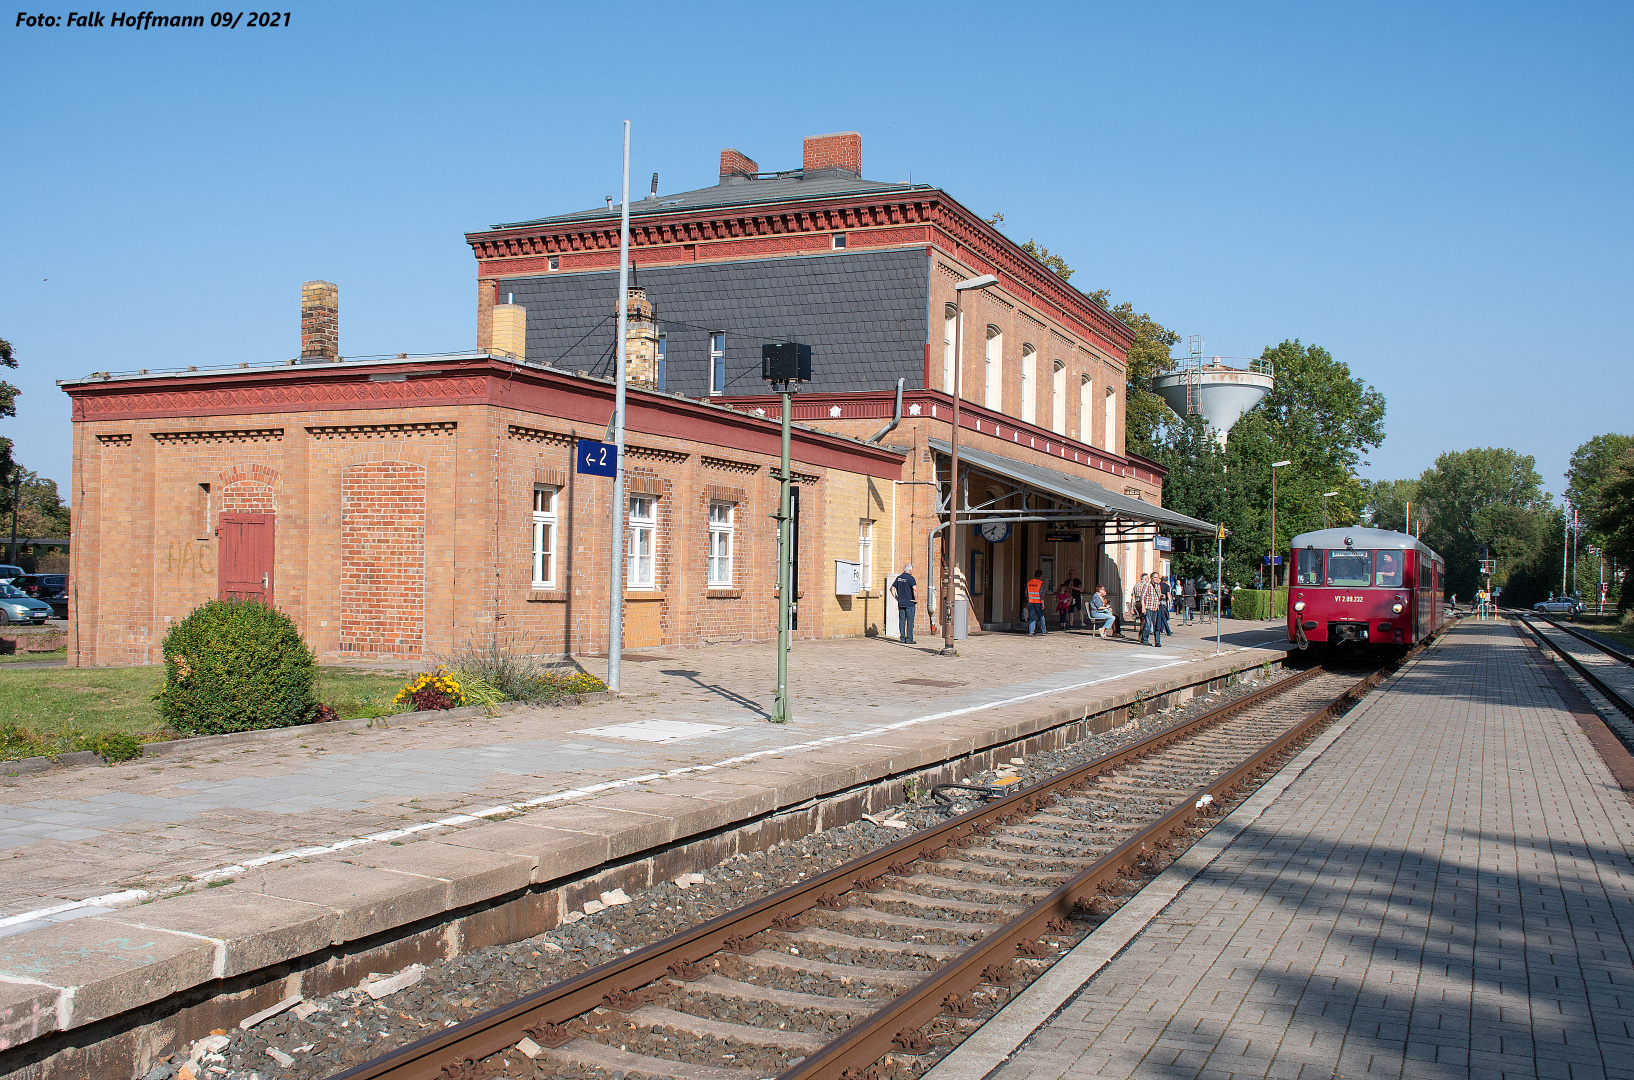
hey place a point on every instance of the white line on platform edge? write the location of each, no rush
(128, 897)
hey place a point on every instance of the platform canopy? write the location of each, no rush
(1077, 498)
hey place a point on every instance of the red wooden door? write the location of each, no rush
(245, 557)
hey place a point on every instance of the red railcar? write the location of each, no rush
(1362, 587)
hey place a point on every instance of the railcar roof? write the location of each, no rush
(1361, 537)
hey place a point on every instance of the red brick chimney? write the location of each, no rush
(320, 321)
(735, 165)
(841, 151)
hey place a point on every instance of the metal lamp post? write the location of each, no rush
(1326, 495)
(985, 281)
(1271, 563)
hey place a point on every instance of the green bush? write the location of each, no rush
(1256, 604)
(117, 746)
(236, 665)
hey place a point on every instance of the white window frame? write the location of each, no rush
(555, 262)
(1108, 440)
(544, 536)
(993, 388)
(865, 553)
(1086, 410)
(721, 543)
(950, 327)
(661, 374)
(1029, 384)
(717, 363)
(641, 544)
(1058, 398)
(839, 241)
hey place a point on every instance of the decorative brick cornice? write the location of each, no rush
(381, 431)
(242, 435)
(799, 477)
(726, 465)
(296, 389)
(538, 435)
(653, 453)
(114, 439)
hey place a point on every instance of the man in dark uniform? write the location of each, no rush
(903, 589)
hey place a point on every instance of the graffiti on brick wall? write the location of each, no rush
(191, 558)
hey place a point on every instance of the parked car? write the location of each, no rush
(52, 588)
(1560, 605)
(19, 607)
(9, 573)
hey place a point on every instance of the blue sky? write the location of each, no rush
(1437, 194)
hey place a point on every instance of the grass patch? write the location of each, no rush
(1619, 631)
(51, 711)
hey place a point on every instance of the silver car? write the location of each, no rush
(19, 607)
(1560, 605)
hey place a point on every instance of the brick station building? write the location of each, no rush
(400, 506)
(864, 272)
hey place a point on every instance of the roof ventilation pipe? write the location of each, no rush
(653, 194)
(896, 418)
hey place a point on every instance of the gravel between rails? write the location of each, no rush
(349, 1027)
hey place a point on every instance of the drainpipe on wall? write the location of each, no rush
(896, 417)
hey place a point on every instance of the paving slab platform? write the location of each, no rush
(334, 853)
(1439, 886)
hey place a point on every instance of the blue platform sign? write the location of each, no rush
(597, 458)
(1270, 560)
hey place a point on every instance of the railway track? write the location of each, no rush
(875, 969)
(1609, 671)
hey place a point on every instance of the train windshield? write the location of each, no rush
(1308, 567)
(1348, 567)
(1387, 569)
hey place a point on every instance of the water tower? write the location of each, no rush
(1211, 388)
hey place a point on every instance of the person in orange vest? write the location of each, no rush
(1035, 604)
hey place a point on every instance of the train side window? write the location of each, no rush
(1350, 568)
(1387, 571)
(1308, 567)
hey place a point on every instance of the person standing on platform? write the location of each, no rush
(1063, 603)
(1151, 618)
(1188, 598)
(1166, 603)
(906, 600)
(1035, 604)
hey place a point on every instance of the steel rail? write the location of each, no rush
(456, 1051)
(1585, 639)
(1620, 703)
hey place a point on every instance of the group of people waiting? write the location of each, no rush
(1150, 602)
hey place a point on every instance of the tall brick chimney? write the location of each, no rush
(836, 154)
(640, 340)
(736, 167)
(320, 321)
(510, 331)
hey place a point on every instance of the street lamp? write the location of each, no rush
(1271, 563)
(1325, 495)
(985, 281)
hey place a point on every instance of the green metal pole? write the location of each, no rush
(780, 711)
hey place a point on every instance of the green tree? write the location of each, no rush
(41, 511)
(8, 407)
(1590, 467)
(1491, 499)
(1614, 514)
(1389, 502)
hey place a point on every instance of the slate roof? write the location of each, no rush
(1073, 489)
(784, 188)
(865, 315)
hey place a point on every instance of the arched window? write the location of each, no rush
(993, 396)
(950, 326)
(1058, 399)
(1109, 441)
(1029, 384)
(1086, 410)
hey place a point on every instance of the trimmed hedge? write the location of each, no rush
(236, 665)
(1256, 604)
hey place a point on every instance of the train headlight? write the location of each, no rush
(1396, 608)
(1299, 606)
